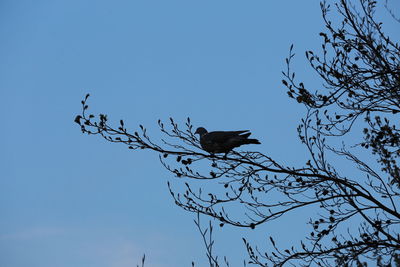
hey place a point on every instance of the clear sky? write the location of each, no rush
(68, 199)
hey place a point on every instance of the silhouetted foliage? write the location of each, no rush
(357, 215)
(143, 260)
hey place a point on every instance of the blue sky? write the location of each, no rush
(68, 199)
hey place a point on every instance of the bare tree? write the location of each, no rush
(360, 69)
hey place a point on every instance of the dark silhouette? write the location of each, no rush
(356, 216)
(223, 141)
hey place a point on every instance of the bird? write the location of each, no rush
(223, 141)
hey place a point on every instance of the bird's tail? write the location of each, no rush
(251, 141)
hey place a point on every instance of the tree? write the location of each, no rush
(360, 69)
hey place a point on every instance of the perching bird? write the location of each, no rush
(223, 142)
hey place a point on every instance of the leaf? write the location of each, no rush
(78, 119)
(272, 241)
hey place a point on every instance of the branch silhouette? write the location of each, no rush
(360, 70)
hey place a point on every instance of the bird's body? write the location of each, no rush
(223, 141)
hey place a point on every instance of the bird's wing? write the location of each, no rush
(222, 136)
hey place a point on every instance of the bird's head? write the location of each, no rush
(201, 131)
